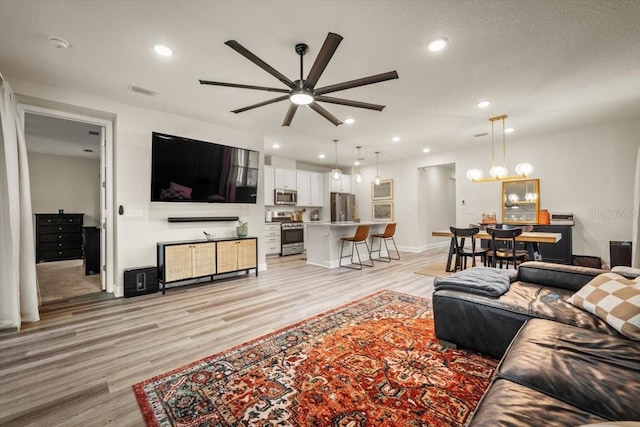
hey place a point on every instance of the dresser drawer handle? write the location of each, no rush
(59, 237)
(59, 228)
(60, 244)
(60, 253)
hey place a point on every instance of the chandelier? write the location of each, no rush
(500, 172)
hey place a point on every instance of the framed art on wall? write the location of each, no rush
(382, 191)
(382, 211)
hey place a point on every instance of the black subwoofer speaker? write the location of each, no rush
(140, 281)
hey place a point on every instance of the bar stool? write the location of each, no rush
(362, 232)
(389, 231)
(462, 252)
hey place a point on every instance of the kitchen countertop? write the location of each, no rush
(345, 223)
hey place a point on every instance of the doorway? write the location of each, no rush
(437, 196)
(69, 167)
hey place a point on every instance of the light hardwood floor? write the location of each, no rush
(77, 365)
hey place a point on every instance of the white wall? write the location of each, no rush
(64, 182)
(588, 171)
(136, 237)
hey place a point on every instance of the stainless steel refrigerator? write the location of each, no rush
(343, 207)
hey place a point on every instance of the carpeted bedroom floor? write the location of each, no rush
(61, 280)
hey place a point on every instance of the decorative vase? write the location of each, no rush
(544, 217)
(242, 230)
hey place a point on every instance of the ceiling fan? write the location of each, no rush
(304, 91)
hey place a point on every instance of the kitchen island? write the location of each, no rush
(323, 241)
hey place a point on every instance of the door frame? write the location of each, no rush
(107, 222)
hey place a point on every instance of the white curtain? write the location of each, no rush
(18, 283)
(635, 258)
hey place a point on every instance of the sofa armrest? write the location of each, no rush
(571, 277)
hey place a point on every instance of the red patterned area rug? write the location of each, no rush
(372, 362)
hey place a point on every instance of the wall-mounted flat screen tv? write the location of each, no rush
(187, 170)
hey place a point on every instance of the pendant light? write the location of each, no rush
(500, 172)
(336, 174)
(377, 179)
(358, 176)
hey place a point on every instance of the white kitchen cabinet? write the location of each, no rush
(310, 186)
(317, 190)
(272, 239)
(269, 181)
(285, 178)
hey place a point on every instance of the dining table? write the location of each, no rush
(531, 240)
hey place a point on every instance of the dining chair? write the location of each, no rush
(508, 254)
(362, 233)
(463, 252)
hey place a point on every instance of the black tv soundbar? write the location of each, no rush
(203, 218)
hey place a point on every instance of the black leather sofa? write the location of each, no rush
(489, 324)
(557, 375)
(561, 367)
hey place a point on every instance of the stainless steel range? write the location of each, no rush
(292, 237)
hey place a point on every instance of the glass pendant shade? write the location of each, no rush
(473, 174)
(498, 172)
(358, 178)
(336, 174)
(524, 169)
(377, 180)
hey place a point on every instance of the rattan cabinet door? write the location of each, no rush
(204, 259)
(227, 256)
(178, 262)
(246, 254)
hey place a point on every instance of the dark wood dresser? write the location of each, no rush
(58, 237)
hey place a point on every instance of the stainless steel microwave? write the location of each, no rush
(285, 197)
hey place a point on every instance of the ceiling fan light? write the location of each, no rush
(301, 97)
(336, 174)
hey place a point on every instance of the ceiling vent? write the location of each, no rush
(143, 90)
(94, 133)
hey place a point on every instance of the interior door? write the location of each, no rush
(103, 208)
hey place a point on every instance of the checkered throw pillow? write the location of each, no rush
(615, 300)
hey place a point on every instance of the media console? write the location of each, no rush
(194, 259)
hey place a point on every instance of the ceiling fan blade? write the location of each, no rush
(324, 56)
(261, 104)
(349, 103)
(268, 89)
(324, 113)
(358, 82)
(290, 113)
(259, 62)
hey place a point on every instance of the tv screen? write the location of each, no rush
(187, 170)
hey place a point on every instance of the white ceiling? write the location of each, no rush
(549, 65)
(52, 135)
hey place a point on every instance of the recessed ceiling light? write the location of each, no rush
(321, 156)
(162, 50)
(509, 130)
(59, 43)
(483, 104)
(349, 121)
(438, 44)
(426, 150)
(276, 146)
(395, 139)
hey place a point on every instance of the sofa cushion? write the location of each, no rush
(594, 372)
(614, 299)
(509, 404)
